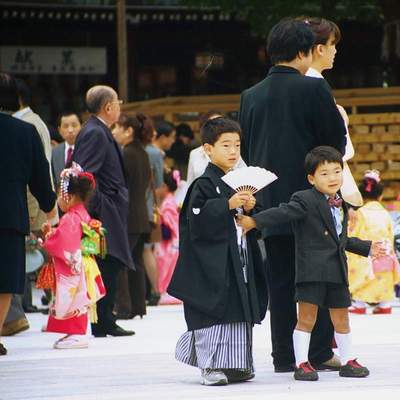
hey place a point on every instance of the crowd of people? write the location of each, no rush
(129, 212)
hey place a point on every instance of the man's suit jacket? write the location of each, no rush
(58, 161)
(320, 252)
(283, 117)
(97, 152)
(22, 163)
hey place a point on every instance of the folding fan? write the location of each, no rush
(249, 179)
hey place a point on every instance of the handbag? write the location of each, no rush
(47, 277)
(155, 225)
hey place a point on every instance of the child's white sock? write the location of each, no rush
(343, 341)
(385, 304)
(301, 343)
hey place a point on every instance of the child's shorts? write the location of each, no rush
(324, 294)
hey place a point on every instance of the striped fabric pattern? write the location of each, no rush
(216, 347)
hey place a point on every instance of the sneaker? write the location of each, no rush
(353, 370)
(71, 342)
(238, 374)
(357, 310)
(305, 372)
(382, 310)
(213, 377)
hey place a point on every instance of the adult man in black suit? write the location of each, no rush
(283, 117)
(69, 126)
(23, 163)
(97, 152)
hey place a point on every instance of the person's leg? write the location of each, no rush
(109, 268)
(150, 266)
(15, 320)
(340, 319)
(5, 301)
(280, 275)
(137, 279)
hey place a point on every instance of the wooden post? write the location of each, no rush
(122, 51)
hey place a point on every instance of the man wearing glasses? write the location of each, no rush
(97, 152)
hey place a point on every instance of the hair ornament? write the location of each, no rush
(89, 176)
(177, 176)
(65, 176)
(373, 174)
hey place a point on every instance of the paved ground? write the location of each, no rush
(143, 366)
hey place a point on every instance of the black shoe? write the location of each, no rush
(118, 331)
(45, 300)
(284, 368)
(3, 350)
(153, 300)
(31, 309)
(238, 375)
(305, 372)
(353, 370)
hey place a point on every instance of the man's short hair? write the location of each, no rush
(24, 93)
(321, 155)
(97, 97)
(287, 39)
(8, 93)
(214, 128)
(67, 113)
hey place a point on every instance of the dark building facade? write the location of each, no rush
(62, 48)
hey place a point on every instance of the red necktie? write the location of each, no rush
(335, 202)
(70, 152)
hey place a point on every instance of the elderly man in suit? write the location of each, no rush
(283, 117)
(24, 166)
(69, 126)
(97, 152)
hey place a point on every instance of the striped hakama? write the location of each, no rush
(227, 346)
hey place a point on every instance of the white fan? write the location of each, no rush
(249, 179)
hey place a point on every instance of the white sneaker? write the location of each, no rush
(213, 377)
(72, 342)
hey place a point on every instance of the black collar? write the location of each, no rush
(283, 69)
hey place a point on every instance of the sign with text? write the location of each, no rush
(53, 60)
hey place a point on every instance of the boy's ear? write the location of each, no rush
(207, 148)
(310, 179)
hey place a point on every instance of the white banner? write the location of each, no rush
(53, 60)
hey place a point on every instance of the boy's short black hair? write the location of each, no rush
(164, 128)
(287, 39)
(214, 128)
(24, 92)
(320, 155)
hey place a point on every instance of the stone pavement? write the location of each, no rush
(143, 366)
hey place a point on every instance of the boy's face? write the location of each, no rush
(225, 152)
(328, 178)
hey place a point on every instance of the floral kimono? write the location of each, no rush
(167, 251)
(78, 280)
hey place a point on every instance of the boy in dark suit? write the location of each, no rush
(319, 220)
(219, 276)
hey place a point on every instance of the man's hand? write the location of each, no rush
(238, 200)
(379, 249)
(250, 203)
(247, 223)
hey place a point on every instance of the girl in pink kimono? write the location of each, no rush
(78, 280)
(167, 250)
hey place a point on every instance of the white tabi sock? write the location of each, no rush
(359, 304)
(343, 341)
(385, 304)
(301, 343)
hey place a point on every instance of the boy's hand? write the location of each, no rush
(378, 249)
(238, 200)
(250, 203)
(247, 223)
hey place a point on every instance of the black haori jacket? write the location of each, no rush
(208, 276)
